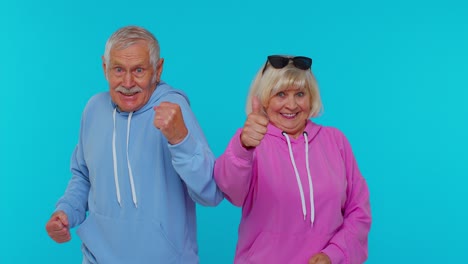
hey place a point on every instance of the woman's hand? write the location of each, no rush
(320, 258)
(255, 126)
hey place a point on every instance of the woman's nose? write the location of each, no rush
(291, 103)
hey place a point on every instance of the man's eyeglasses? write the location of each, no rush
(278, 62)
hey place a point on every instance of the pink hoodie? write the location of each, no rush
(282, 221)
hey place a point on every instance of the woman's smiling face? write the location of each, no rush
(289, 110)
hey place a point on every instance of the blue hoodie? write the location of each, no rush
(132, 193)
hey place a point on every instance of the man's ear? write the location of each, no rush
(104, 66)
(159, 70)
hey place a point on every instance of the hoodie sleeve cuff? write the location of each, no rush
(335, 254)
(186, 147)
(68, 211)
(240, 151)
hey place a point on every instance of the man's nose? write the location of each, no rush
(128, 81)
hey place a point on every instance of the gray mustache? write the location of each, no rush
(132, 90)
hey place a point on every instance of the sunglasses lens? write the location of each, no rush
(302, 63)
(278, 62)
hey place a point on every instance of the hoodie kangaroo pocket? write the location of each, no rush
(280, 248)
(112, 240)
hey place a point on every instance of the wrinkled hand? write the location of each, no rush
(255, 127)
(320, 258)
(57, 227)
(168, 118)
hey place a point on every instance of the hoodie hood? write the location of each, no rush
(311, 129)
(162, 89)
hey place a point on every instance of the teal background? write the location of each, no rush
(392, 74)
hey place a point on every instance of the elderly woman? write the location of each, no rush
(303, 198)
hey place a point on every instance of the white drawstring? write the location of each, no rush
(114, 159)
(130, 173)
(304, 210)
(298, 179)
(311, 187)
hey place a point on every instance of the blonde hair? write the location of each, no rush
(271, 80)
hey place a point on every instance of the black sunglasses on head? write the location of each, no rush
(279, 62)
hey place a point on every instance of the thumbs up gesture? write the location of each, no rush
(255, 127)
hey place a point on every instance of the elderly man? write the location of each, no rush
(140, 164)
